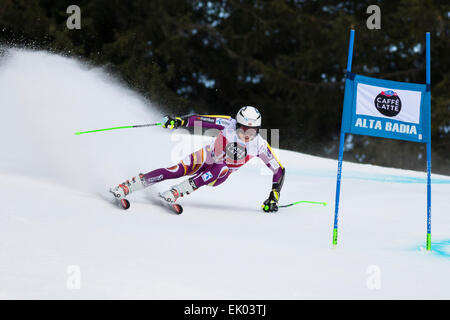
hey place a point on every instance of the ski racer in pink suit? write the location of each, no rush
(237, 143)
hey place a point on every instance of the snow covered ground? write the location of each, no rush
(60, 238)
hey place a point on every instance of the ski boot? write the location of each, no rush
(180, 190)
(125, 188)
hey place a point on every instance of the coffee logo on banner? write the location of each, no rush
(388, 103)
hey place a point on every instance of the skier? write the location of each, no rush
(237, 142)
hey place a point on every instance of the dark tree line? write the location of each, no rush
(285, 57)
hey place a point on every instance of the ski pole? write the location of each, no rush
(123, 127)
(304, 201)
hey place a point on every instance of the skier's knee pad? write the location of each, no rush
(221, 177)
(223, 172)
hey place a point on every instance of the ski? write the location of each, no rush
(174, 207)
(125, 204)
(122, 203)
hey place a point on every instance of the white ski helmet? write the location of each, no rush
(248, 116)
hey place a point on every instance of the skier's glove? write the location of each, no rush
(270, 205)
(172, 123)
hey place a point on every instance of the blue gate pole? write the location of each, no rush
(428, 59)
(341, 149)
(338, 188)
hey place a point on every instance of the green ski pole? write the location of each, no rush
(123, 127)
(304, 201)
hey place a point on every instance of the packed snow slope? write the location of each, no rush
(60, 237)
